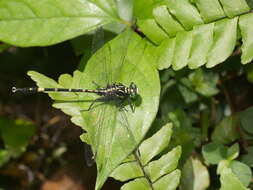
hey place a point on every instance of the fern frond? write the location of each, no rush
(205, 32)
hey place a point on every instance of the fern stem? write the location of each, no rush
(136, 155)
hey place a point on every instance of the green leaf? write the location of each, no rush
(166, 21)
(242, 171)
(143, 8)
(166, 164)
(230, 182)
(161, 139)
(214, 152)
(151, 29)
(225, 33)
(247, 38)
(201, 44)
(47, 22)
(67, 102)
(233, 8)
(210, 10)
(185, 12)
(182, 50)
(4, 157)
(246, 118)
(16, 135)
(195, 175)
(248, 158)
(226, 131)
(113, 133)
(168, 182)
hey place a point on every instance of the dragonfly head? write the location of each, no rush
(133, 90)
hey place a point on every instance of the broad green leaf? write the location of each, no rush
(4, 157)
(195, 175)
(210, 10)
(246, 118)
(185, 12)
(46, 22)
(16, 135)
(230, 182)
(166, 21)
(67, 102)
(152, 30)
(225, 33)
(201, 44)
(242, 171)
(234, 7)
(247, 37)
(226, 131)
(113, 133)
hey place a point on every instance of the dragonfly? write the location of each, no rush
(116, 91)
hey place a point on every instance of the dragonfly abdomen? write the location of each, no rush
(35, 89)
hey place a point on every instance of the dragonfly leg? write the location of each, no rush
(131, 104)
(93, 103)
(96, 84)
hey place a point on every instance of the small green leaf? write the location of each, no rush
(185, 12)
(204, 82)
(166, 21)
(247, 37)
(4, 157)
(225, 34)
(233, 152)
(246, 118)
(169, 181)
(226, 131)
(233, 8)
(165, 53)
(16, 135)
(152, 30)
(166, 164)
(210, 10)
(229, 181)
(139, 183)
(182, 50)
(195, 175)
(155, 144)
(242, 171)
(248, 158)
(214, 152)
(201, 44)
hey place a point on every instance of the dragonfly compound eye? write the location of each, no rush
(133, 90)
